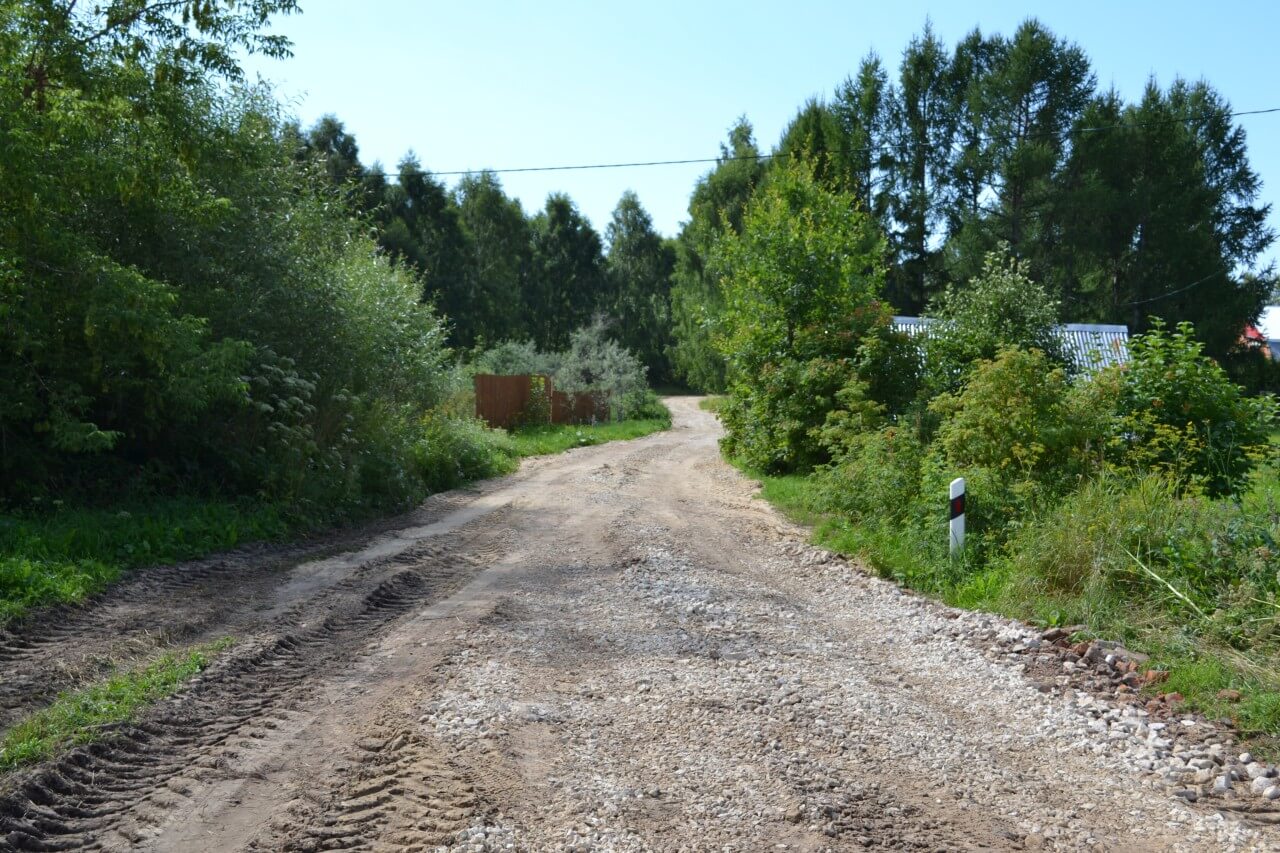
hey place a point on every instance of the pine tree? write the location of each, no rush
(1159, 214)
(639, 265)
(421, 227)
(718, 202)
(498, 237)
(861, 108)
(923, 123)
(566, 283)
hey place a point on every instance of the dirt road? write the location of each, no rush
(615, 649)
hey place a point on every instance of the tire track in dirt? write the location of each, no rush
(404, 794)
(113, 793)
(643, 657)
(60, 647)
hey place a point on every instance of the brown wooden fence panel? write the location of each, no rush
(577, 408)
(501, 400)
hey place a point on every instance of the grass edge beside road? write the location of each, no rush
(557, 438)
(1204, 672)
(81, 716)
(68, 554)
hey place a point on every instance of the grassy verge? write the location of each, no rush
(1201, 660)
(712, 403)
(81, 716)
(69, 554)
(556, 438)
(65, 554)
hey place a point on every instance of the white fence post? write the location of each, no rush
(957, 515)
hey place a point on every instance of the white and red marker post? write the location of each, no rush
(957, 515)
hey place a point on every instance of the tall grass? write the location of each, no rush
(1210, 616)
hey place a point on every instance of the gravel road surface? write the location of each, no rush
(618, 649)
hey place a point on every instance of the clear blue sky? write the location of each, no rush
(494, 85)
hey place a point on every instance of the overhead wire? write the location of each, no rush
(869, 149)
(1195, 283)
(863, 150)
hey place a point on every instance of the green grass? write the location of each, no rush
(82, 716)
(68, 554)
(556, 438)
(712, 403)
(1200, 665)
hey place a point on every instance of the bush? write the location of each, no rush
(449, 452)
(1021, 435)
(774, 422)
(801, 285)
(644, 405)
(1181, 415)
(593, 364)
(877, 475)
(596, 364)
(537, 409)
(512, 358)
(1000, 308)
(183, 306)
(891, 365)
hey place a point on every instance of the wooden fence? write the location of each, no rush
(504, 401)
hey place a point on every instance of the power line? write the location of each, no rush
(1195, 283)
(864, 150)
(456, 172)
(1171, 293)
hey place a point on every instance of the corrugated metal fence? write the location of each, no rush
(504, 401)
(1089, 346)
(501, 400)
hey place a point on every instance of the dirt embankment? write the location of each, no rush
(615, 649)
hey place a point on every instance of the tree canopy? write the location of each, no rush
(1123, 211)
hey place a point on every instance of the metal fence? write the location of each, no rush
(1088, 346)
(504, 401)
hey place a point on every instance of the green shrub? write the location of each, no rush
(801, 285)
(892, 366)
(1021, 435)
(855, 415)
(1181, 415)
(877, 475)
(644, 405)
(451, 451)
(593, 364)
(774, 421)
(185, 307)
(596, 364)
(1000, 308)
(512, 358)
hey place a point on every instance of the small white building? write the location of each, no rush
(1088, 346)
